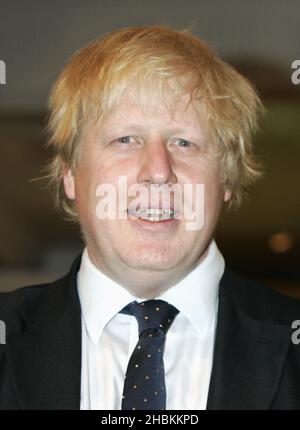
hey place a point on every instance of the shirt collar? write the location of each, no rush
(195, 296)
(101, 298)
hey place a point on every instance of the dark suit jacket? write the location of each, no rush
(256, 366)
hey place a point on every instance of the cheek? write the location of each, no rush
(86, 199)
(94, 188)
(214, 197)
(213, 190)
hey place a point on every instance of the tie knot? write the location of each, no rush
(156, 314)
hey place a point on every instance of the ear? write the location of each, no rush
(69, 184)
(227, 195)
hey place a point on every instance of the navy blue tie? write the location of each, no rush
(144, 385)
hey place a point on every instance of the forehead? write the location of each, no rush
(164, 109)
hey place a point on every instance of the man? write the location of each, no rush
(148, 317)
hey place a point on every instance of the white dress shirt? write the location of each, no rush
(109, 338)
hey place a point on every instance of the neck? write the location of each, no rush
(146, 284)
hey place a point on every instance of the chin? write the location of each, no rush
(151, 260)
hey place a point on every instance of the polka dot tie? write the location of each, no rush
(144, 385)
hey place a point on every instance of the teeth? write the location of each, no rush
(153, 215)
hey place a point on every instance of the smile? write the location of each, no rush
(153, 215)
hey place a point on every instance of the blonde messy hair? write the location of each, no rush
(148, 58)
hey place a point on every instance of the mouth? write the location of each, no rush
(153, 215)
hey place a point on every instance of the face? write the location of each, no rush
(150, 146)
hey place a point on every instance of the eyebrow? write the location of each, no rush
(130, 128)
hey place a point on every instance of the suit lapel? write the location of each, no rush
(250, 350)
(45, 359)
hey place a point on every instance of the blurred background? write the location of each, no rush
(261, 38)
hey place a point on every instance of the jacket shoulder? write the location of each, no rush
(34, 301)
(259, 300)
(11, 303)
(14, 302)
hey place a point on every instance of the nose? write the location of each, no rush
(156, 164)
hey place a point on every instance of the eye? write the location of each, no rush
(183, 143)
(126, 142)
(125, 139)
